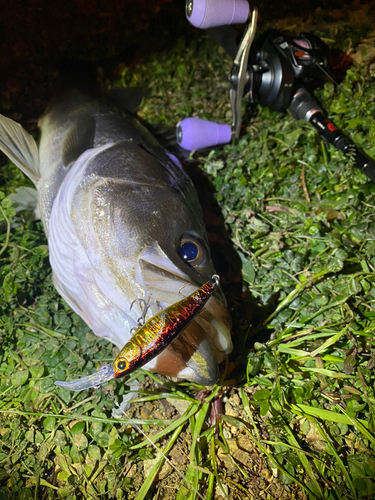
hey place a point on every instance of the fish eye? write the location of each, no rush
(192, 251)
(122, 365)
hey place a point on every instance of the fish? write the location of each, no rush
(123, 223)
(149, 339)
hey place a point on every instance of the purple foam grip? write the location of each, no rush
(194, 133)
(210, 13)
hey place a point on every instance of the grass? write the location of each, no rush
(299, 415)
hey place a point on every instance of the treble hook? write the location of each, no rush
(142, 319)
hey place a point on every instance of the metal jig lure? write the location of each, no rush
(150, 339)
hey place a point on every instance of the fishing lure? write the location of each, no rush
(150, 339)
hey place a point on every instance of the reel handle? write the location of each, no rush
(195, 133)
(205, 14)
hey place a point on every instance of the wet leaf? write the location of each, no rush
(80, 441)
(349, 364)
(77, 428)
(19, 378)
(49, 423)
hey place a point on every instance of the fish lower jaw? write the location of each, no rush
(196, 353)
(201, 367)
(219, 335)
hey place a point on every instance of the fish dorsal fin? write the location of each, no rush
(126, 99)
(20, 147)
(79, 138)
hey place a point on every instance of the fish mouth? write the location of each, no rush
(195, 354)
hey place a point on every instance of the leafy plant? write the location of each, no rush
(298, 393)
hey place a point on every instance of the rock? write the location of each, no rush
(178, 456)
(181, 405)
(132, 471)
(314, 438)
(275, 471)
(240, 449)
(163, 472)
(222, 491)
(235, 400)
(229, 411)
(227, 433)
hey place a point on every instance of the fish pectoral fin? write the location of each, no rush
(96, 379)
(78, 139)
(27, 199)
(20, 147)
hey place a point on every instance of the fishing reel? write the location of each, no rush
(275, 71)
(280, 64)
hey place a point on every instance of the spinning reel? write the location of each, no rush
(274, 71)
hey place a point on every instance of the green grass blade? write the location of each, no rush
(326, 415)
(210, 489)
(192, 475)
(192, 410)
(281, 468)
(200, 418)
(154, 471)
(328, 343)
(326, 373)
(88, 418)
(301, 455)
(333, 452)
(360, 426)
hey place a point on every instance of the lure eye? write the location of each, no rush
(192, 252)
(122, 365)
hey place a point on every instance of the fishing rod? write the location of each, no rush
(274, 71)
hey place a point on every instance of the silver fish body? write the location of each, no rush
(119, 211)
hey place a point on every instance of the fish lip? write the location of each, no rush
(105, 373)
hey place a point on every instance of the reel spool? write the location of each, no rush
(280, 64)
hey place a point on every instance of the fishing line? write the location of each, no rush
(106, 393)
(344, 91)
(183, 286)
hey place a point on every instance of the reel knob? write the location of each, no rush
(210, 13)
(195, 133)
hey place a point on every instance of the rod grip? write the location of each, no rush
(195, 133)
(210, 13)
(305, 107)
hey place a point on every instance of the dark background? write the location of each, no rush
(41, 39)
